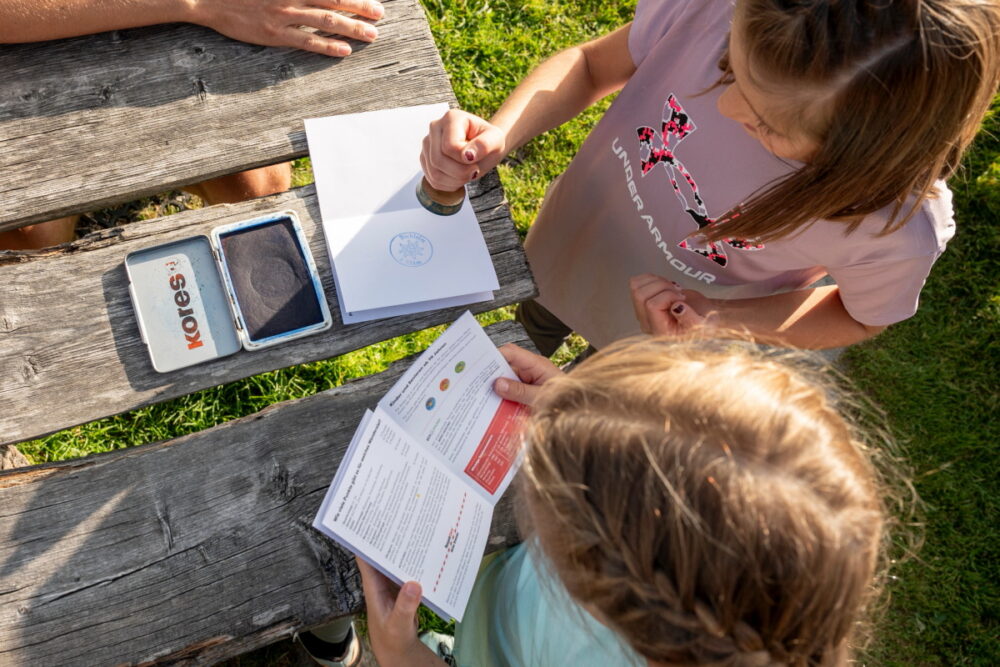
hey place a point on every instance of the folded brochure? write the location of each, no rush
(415, 492)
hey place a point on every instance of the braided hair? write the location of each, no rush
(711, 506)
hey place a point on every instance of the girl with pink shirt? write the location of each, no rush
(754, 149)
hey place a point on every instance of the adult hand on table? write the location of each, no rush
(459, 148)
(277, 22)
(266, 22)
(533, 370)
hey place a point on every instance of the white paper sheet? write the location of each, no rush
(390, 255)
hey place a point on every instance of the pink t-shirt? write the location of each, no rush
(663, 161)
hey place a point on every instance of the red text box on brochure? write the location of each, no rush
(498, 449)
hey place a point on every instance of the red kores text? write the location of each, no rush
(189, 324)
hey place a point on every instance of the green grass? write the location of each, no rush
(935, 374)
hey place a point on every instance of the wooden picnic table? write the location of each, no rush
(195, 549)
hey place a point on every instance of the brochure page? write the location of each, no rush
(397, 507)
(446, 400)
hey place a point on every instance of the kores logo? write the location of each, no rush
(189, 324)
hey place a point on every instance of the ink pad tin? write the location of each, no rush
(249, 284)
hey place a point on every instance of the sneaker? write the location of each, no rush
(442, 645)
(345, 654)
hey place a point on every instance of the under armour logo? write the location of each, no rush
(661, 148)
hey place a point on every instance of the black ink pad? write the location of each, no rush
(272, 283)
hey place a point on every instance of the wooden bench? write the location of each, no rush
(200, 548)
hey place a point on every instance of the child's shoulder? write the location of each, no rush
(925, 234)
(654, 19)
(659, 11)
(930, 228)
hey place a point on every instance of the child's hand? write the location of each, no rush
(460, 148)
(664, 308)
(533, 370)
(392, 617)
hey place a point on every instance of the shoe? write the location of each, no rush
(442, 645)
(345, 654)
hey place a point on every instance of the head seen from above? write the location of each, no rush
(877, 99)
(710, 506)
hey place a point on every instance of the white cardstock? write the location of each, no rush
(391, 256)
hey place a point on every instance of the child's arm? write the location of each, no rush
(812, 319)
(461, 147)
(808, 319)
(565, 85)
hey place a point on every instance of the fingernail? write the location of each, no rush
(502, 385)
(411, 589)
(470, 156)
(378, 10)
(370, 32)
(343, 50)
(678, 309)
(475, 174)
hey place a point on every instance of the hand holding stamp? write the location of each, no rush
(458, 148)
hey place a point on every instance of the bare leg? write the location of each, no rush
(244, 185)
(10, 458)
(222, 190)
(41, 235)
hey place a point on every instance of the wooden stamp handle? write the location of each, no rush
(439, 201)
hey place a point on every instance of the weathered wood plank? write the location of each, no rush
(95, 120)
(70, 350)
(190, 550)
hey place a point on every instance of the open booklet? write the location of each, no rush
(414, 494)
(390, 255)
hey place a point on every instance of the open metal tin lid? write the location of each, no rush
(180, 303)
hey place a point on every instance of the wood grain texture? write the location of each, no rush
(187, 551)
(70, 350)
(95, 120)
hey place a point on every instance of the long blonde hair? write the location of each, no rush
(905, 85)
(711, 506)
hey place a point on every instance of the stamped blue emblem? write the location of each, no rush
(411, 249)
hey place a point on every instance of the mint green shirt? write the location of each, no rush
(520, 615)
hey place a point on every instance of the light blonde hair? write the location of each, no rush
(905, 85)
(710, 505)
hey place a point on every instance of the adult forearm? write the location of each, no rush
(40, 20)
(807, 319)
